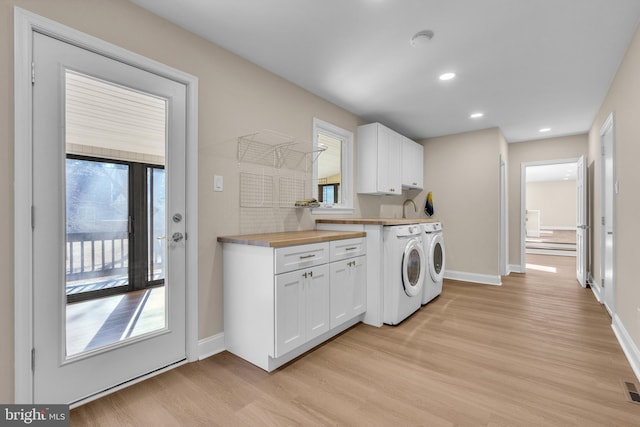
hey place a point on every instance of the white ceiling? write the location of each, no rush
(527, 64)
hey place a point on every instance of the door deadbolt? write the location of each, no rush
(177, 218)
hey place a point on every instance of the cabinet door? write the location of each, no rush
(348, 289)
(412, 164)
(290, 311)
(340, 304)
(389, 161)
(317, 302)
(358, 289)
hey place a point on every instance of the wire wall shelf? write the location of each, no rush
(273, 149)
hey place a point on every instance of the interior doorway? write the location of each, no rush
(553, 209)
(606, 289)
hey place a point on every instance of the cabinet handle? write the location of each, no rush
(351, 249)
(307, 256)
(304, 275)
(311, 274)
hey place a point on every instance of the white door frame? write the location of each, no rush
(599, 289)
(523, 201)
(504, 239)
(25, 24)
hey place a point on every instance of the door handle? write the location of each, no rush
(177, 237)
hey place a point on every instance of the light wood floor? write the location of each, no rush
(537, 351)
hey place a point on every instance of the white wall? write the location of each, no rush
(463, 173)
(556, 201)
(623, 99)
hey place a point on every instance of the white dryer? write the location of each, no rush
(434, 248)
(404, 271)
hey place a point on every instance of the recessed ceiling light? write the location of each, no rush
(447, 76)
(476, 115)
(421, 38)
(545, 130)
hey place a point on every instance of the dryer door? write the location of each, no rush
(436, 257)
(413, 268)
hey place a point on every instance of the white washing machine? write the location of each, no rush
(404, 271)
(434, 249)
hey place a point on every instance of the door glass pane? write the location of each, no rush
(115, 213)
(156, 222)
(97, 249)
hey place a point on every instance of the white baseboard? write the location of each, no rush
(484, 279)
(212, 345)
(596, 291)
(629, 348)
(516, 268)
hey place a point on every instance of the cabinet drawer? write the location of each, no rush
(347, 248)
(302, 256)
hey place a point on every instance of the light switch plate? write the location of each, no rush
(218, 183)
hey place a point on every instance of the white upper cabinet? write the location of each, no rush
(379, 160)
(412, 165)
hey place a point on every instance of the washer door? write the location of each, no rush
(437, 257)
(413, 268)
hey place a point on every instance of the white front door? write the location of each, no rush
(607, 235)
(581, 222)
(72, 93)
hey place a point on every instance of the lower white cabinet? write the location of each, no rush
(280, 303)
(348, 289)
(302, 307)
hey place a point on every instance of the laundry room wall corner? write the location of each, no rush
(462, 173)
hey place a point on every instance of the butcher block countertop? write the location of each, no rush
(376, 221)
(290, 238)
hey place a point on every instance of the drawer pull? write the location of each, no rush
(353, 248)
(307, 256)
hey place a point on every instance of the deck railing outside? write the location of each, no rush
(94, 257)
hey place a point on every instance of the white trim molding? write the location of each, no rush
(483, 279)
(210, 346)
(25, 24)
(595, 288)
(516, 268)
(628, 346)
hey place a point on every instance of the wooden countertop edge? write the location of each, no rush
(378, 221)
(290, 238)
